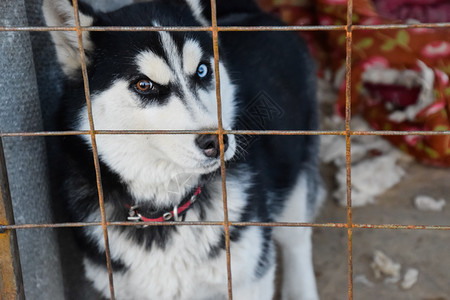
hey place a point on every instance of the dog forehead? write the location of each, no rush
(176, 55)
(154, 67)
(192, 55)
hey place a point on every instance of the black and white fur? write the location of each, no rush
(271, 178)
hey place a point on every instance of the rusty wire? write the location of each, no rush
(94, 147)
(226, 224)
(4, 228)
(348, 151)
(225, 28)
(236, 132)
(215, 29)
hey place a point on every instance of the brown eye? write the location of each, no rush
(144, 86)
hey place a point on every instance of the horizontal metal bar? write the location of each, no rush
(401, 26)
(106, 132)
(332, 27)
(43, 133)
(393, 132)
(105, 28)
(146, 28)
(283, 132)
(237, 132)
(36, 28)
(137, 132)
(402, 226)
(282, 28)
(227, 28)
(237, 224)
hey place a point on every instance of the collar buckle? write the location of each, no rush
(167, 216)
(133, 215)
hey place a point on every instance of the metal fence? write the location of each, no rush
(12, 287)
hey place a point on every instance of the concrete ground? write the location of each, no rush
(426, 250)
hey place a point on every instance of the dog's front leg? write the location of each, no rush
(260, 289)
(299, 281)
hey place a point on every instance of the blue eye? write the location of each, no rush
(202, 71)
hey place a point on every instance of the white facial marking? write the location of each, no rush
(171, 50)
(197, 10)
(175, 63)
(191, 102)
(154, 67)
(192, 54)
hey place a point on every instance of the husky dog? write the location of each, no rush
(165, 80)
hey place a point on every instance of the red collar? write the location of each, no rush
(175, 213)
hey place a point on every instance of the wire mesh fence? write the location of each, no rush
(7, 228)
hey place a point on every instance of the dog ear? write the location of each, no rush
(224, 9)
(61, 13)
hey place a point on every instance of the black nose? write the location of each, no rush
(209, 143)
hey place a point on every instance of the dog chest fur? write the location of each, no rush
(187, 267)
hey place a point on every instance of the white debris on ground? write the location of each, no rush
(423, 202)
(375, 162)
(383, 266)
(410, 278)
(374, 167)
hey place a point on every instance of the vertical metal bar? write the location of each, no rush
(11, 284)
(348, 76)
(94, 147)
(226, 223)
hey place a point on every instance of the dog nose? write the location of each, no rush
(209, 143)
